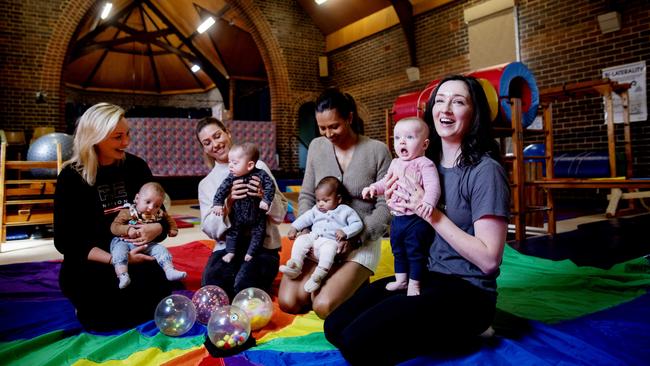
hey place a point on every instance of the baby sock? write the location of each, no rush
(124, 278)
(400, 282)
(313, 283)
(292, 269)
(173, 274)
(413, 288)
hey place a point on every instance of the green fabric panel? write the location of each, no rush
(56, 349)
(314, 342)
(552, 291)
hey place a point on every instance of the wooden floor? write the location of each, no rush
(587, 240)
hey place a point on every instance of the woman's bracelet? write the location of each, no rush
(110, 259)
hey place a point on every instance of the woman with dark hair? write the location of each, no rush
(458, 294)
(357, 161)
(238, 274)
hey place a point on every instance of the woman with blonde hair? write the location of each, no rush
(91, 188)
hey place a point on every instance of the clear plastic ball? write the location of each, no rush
(207, 299)
(257, 304)
(228, 327)
(175, 315)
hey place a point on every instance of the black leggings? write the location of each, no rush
(237, 275)
(380, 327)
(102, 306)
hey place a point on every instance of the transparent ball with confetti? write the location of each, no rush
(175, 315)
(257, 304)
(228, 327)
(207, 299)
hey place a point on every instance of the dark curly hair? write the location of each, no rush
(335, 185)
(478, 140)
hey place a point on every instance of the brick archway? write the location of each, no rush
(72, 13)
(278, 74)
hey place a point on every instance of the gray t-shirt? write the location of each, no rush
(468, 194)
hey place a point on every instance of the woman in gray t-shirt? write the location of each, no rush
(458, 296)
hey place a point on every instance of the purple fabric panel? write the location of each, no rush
(30, 281)
(261, 133)
(25, 319)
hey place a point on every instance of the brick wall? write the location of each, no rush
(34, 36)
(560, 42)
(289, 44)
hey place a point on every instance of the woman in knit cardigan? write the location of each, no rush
(344, 152)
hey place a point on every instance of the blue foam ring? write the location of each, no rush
(511, 72)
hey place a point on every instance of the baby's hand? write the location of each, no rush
(264, 206)
(425, 209)
(173, 233)
(292, 233)
(340, 235)
(228, 257)
(217, 210)
(248, 257)
(368, 192)
(132, 232)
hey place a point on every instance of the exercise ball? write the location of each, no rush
(44, 149)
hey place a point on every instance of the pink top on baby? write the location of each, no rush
(427, 176)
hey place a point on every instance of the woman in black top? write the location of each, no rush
(90, 190)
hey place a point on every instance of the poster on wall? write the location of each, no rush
(634, 74)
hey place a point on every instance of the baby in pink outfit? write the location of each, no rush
(410, 235)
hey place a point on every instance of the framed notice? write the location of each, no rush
(634, 74)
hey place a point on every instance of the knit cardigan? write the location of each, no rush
(369, 163)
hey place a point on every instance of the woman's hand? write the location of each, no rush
(345, 246)
(239, 190)
(255, 187)
(252, 188)
(391, 185)
(136, 255)
(146, 233)
(410, 197)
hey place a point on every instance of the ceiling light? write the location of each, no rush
(106, 11)
(319, 2)
(195, 68)
(205, 25)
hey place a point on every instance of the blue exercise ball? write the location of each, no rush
(44, 149)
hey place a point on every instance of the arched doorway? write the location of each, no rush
(307, 131)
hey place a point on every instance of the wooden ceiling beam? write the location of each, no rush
(404, 11)
(152, 62)
(90, 77)
(88, 37)
(180, 58)
(202, 12)
(142, 37)
(374, 23)
(208, 67)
